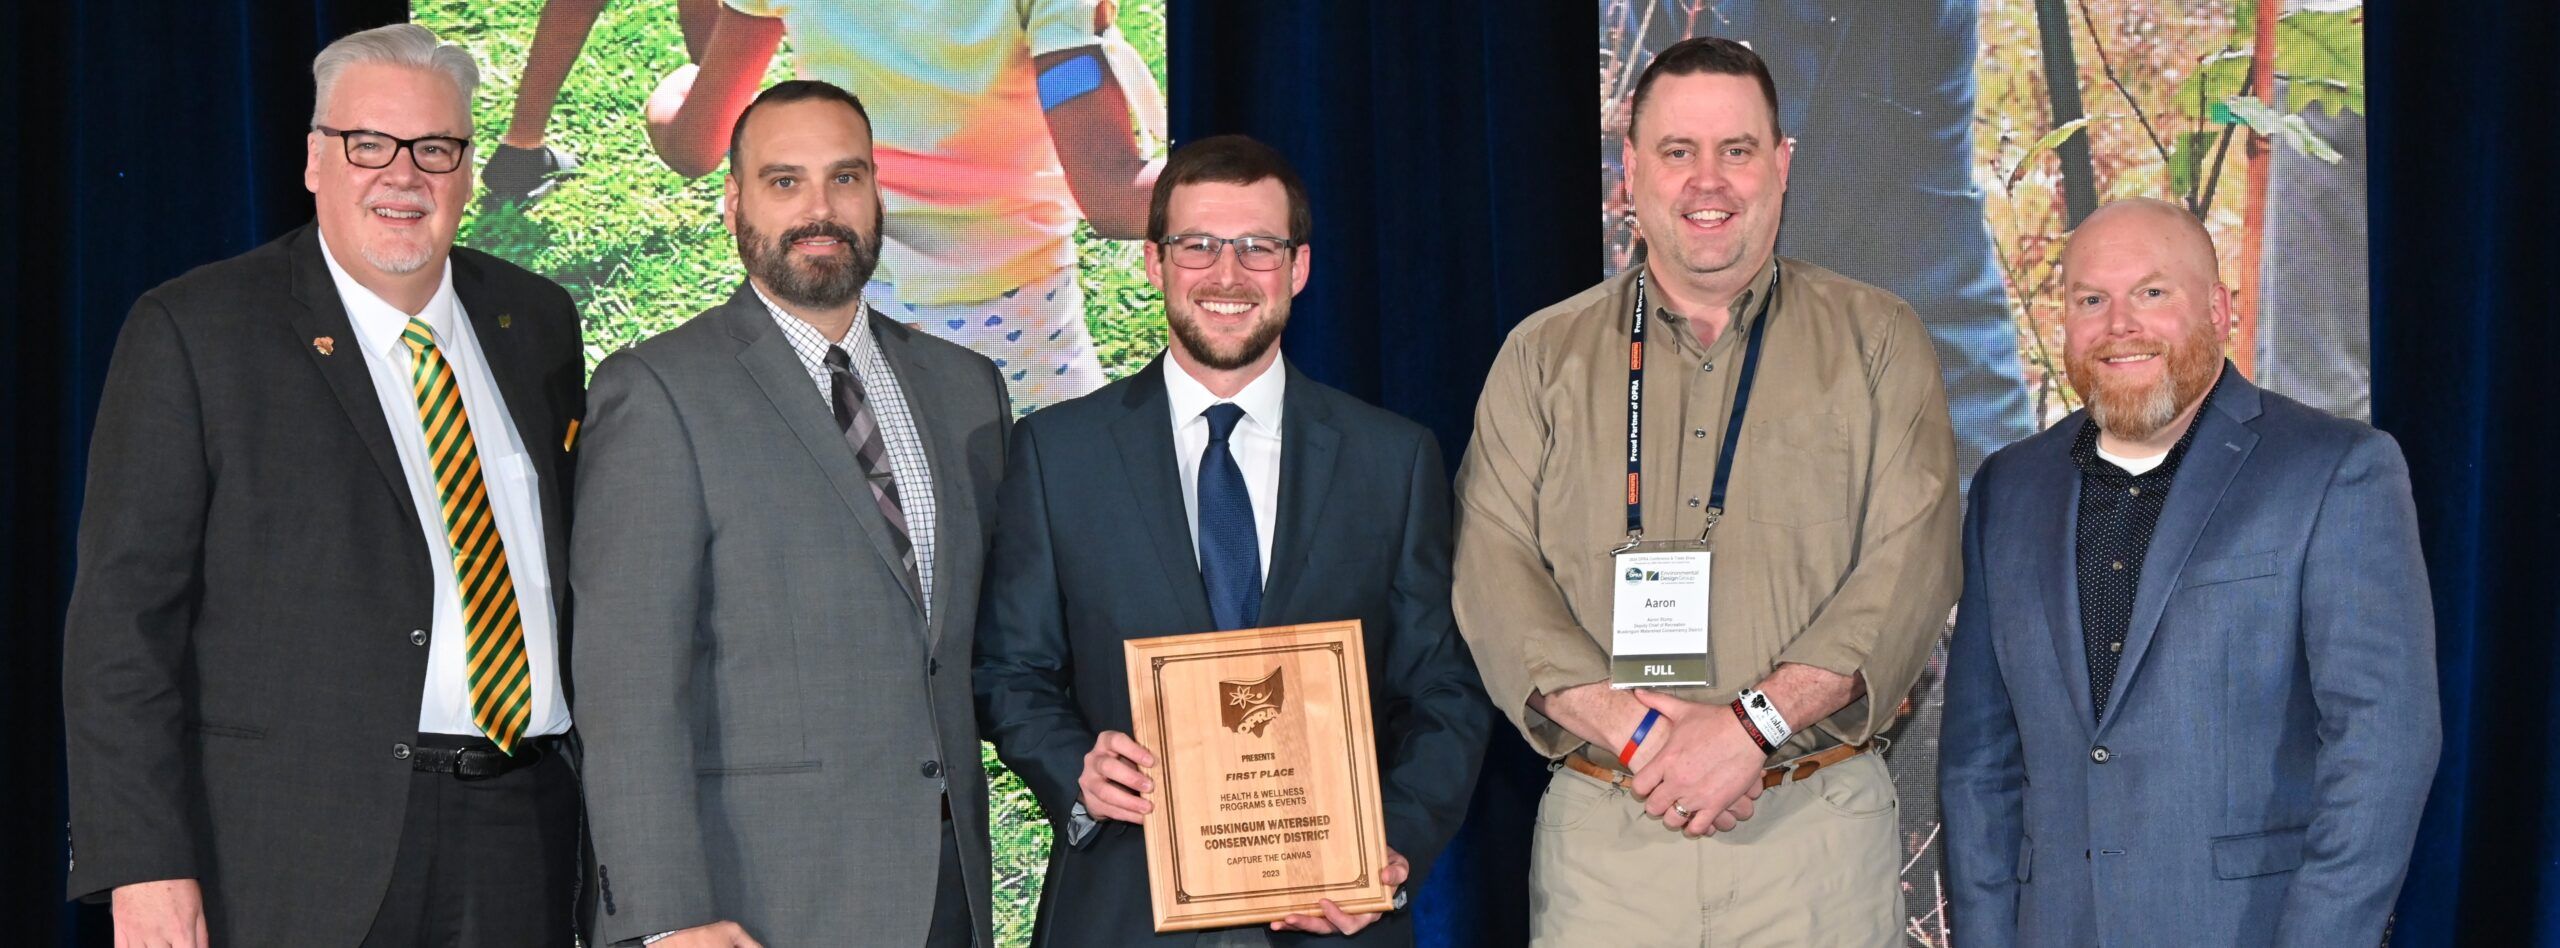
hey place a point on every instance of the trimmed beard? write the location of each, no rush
(1265, 334)
(812, 284)
(2135, 414)
(389, 261)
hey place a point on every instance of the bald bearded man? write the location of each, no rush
(2191, 697)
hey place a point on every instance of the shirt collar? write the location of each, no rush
(804, 337)
(1261, 398)
(378, 324)
(1744, 311)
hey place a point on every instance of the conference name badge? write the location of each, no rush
(1659, 632)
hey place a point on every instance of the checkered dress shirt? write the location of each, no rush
(889, 408)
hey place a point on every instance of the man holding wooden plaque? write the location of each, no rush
(1315, 753)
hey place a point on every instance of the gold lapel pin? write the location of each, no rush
(506, 320)
(324, 345)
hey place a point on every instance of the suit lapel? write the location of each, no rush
(768, 359)
(520, 385)
(2222, 444)
(323, 315)
(1310, 447)
(2051, 509)
(942, 454)
(1144, 435)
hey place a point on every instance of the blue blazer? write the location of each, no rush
(2273, 726)
(1091, 550)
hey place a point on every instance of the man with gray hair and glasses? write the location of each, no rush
(312, 666)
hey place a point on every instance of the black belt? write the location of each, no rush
(478, 758)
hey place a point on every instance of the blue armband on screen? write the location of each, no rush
(1070, 79)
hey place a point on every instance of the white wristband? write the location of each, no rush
(1764, 715)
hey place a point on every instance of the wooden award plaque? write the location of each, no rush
(1266, 776)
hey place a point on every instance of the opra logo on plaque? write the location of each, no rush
(1267, 774)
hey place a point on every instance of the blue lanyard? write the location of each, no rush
(1732, 426)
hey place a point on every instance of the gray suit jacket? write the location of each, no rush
(243, 651)
(770, 721)
(2272, 731)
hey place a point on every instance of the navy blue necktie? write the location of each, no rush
(1230, 551)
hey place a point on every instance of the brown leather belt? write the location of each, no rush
(1797, 769)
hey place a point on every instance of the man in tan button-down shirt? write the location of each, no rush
(1835, 564)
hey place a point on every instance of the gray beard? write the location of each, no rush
(389, 263)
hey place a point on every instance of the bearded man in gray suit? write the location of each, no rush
(784, 584)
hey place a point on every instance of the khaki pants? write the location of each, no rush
(1817, 864)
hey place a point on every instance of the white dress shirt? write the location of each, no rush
(515, 499)
(1255, 444)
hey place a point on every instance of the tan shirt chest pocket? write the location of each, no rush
(1801, 470)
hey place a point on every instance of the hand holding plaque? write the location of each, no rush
(1266, 776)
(1335, 921)
(1112, 786)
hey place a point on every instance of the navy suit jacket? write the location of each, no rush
(1092, 549)
(2273, 727)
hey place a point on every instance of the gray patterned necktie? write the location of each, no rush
(862, 430)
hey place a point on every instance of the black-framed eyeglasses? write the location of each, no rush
(366, 148)
(1200, 251)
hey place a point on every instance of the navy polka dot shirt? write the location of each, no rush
(2118, 511)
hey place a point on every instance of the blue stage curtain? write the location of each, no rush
(143, 139)
(1452, 154)
(2462, 103)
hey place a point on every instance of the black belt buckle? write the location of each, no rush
(489, 763)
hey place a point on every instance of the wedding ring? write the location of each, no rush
(1682, 810)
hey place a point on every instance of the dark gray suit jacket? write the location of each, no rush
(1093, 549)
(2270, 737)
(238, 660)
(769, 718)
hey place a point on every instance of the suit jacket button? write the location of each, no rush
(417, 636)
(933, 666)
(932, 768)
(2099, 754)
(400, 752)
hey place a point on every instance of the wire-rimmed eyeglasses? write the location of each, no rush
(1200, 251)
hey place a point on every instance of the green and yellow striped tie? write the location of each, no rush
(493, 629)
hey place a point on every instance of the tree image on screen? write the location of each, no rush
(1945, 149)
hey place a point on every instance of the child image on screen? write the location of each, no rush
(997, 125)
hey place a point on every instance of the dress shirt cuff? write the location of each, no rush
(1588, 666)
(1080, 826)
(1855, 721)
(652, 939)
